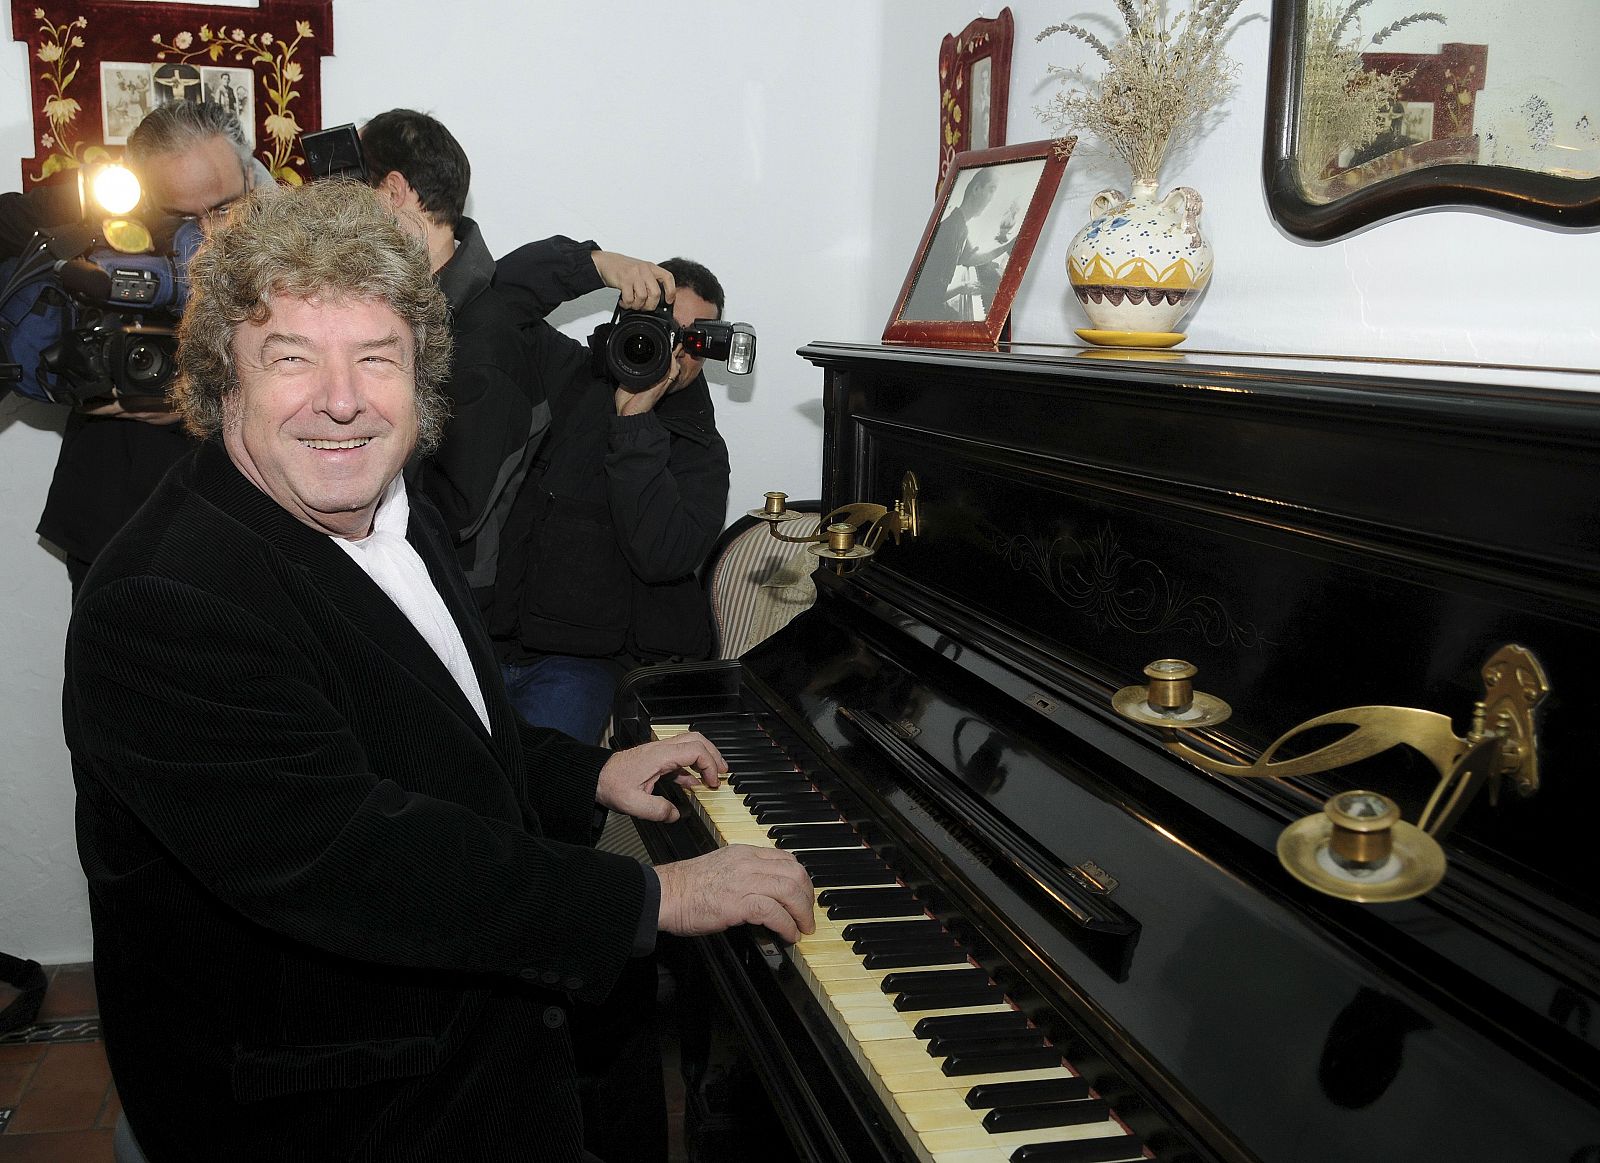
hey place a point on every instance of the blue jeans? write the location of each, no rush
(570, 694)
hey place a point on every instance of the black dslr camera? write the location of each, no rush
(634, 350)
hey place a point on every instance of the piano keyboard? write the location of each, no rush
(964, 1074)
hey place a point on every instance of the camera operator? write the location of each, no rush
(193, 162)
(625, 499)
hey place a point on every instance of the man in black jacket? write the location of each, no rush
(342, 897)
(624, 501)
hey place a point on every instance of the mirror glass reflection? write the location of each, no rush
(1388, 87)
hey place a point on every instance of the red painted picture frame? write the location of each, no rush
(97, 66)
(974, 88)
(975, 249)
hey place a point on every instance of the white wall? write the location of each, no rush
(792, 148)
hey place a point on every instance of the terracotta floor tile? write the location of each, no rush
(113, 1108)
(14, 1079)
(55, 1110)
(73, 1066)
(71, 994)
(63, 1147)
(22, 1052)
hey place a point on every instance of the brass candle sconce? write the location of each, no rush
(1358, 848)
(850, 534)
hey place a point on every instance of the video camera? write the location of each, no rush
(634, 350)
(83, 320)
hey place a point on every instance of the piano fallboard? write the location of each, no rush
(1313, 541)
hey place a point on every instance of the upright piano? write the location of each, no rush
(1051, 937)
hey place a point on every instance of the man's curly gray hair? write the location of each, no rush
(329, 240)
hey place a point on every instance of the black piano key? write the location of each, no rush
(883, 896)
(839, 856)
(793, 837)
(931, 998)
(936, 979)
(866, 930)
(1000, 1061)
(933, 943)
(1111, 1149)
(971, 1025)
(944, 1047)
(740, 776)
(755, 801)
(902, 960)
(1036, 1115)
(854, 904)
(840, 877)
(1035, 1090)
(787, 815)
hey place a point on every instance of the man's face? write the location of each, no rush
(689, 308)
(325, 414)
(199, 182)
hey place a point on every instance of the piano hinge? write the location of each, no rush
(1093, 877)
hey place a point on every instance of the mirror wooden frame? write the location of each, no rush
(1565, 202)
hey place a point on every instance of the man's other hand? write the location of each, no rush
(642, 284)
(737, 885)
(628, 780)
(632, 403)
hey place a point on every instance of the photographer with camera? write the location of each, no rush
(193, 163)
(625, 499)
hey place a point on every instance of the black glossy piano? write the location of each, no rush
(1044, 936)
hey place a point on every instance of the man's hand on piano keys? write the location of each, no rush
(739, 884)
(628, 779)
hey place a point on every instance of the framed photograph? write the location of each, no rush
(975, 249)
(126, 95)
(974, 88)
(234, 90)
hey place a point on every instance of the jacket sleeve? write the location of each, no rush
(668, 493)
(538, 277)
(216, 730)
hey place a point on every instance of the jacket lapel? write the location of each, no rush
(345, 586)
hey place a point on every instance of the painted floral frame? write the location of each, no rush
(974, 88)
(77, 48)
(975, 249)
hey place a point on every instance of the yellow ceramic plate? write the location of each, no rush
(1130, 338)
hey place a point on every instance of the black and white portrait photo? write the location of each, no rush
(234, 90)
(972, 245)
(125, 97)
(176, 83)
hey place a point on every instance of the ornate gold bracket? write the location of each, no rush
(851, 533)
(1358, 848)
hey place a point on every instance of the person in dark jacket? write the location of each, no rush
(342, 897)
(497, 405)
(622, 504)
(194, 162)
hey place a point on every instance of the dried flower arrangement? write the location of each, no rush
(1344, 106)
(1160, 80)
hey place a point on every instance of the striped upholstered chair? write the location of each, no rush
(757, 584)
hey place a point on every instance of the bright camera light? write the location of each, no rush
(115, 189)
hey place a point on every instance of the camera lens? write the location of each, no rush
(639, 349)
(145, 364)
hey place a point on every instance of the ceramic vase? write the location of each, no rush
(1139, 265)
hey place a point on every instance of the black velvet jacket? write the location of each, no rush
(333, 915)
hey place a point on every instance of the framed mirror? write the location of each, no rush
(1378, 108)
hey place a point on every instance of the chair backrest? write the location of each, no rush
(758, 583)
